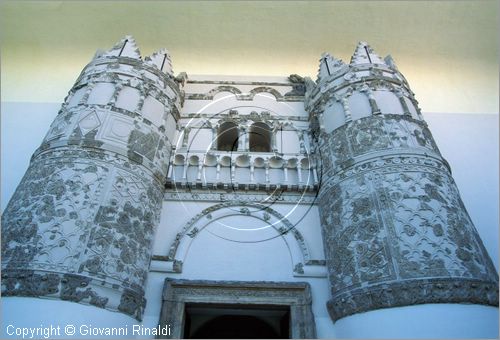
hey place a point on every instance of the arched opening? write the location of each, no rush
(260, 137)
(227, 137)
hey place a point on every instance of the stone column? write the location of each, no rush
(80, 225)
(395, 230)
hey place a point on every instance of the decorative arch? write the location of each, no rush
(294, 240)
(266, 89)
(223, 88)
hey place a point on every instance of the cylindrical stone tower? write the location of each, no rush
(395, 230)
(80, 224)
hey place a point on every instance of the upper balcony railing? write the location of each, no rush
(242, 170)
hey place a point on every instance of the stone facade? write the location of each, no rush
(348, 156)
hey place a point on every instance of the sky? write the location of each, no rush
(448, 50)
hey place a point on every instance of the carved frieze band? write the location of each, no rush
(278, 197)
(73, 287)
(297, 93)
(413, 292)
(355, 79)
(126, 70)
(104, 129)
(382, 165)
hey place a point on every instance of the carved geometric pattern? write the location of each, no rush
(49, 214)
(120, 242)
(89, 122)
(84, 215)
(434, 233)
(391, 219)
(61, 125)
(380, 133)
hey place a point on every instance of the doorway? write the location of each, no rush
(237, 309)
(215, 321)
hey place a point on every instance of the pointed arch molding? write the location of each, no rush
(302, 264)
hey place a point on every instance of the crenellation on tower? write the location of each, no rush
(328, 66)
(360, 90)
(160, 59)
(127, 47)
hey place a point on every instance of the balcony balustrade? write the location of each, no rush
(242, 170)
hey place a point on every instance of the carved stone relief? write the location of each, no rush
(381, 133)
(80, 225)
(93, 214)
(281, 197)
(396, 218)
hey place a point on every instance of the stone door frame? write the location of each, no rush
(295, 295)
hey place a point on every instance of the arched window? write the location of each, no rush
(260, 137)
(227, 137)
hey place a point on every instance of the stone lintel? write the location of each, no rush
(296, 295)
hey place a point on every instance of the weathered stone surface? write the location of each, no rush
(69, 287)
(382, 133)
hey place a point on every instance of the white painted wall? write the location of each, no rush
(24, 312)
(211, 256)
(422, 321)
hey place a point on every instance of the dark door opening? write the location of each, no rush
(215, 321)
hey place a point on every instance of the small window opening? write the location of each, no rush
(260, 137)
(227, 138)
